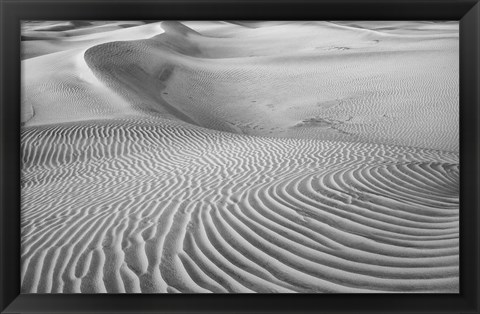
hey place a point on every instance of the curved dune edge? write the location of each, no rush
(182, 209)
(261, 85)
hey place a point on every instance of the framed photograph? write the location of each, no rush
(240, 156)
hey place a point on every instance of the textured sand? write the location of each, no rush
(240, 157)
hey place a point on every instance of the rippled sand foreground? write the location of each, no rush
(199, 157)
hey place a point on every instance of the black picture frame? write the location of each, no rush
(13, 11)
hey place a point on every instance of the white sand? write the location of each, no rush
(240, 157)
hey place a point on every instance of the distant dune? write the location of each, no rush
(171, 156)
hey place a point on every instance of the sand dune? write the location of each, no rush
(41, 40)
(341, 90)
(241, 157)
(60, 87)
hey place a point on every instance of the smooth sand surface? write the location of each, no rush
(240, 157)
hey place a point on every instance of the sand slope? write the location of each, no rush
(242, 157)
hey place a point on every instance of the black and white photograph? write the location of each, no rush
(239, 157)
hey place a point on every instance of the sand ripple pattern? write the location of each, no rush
(149, 205)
